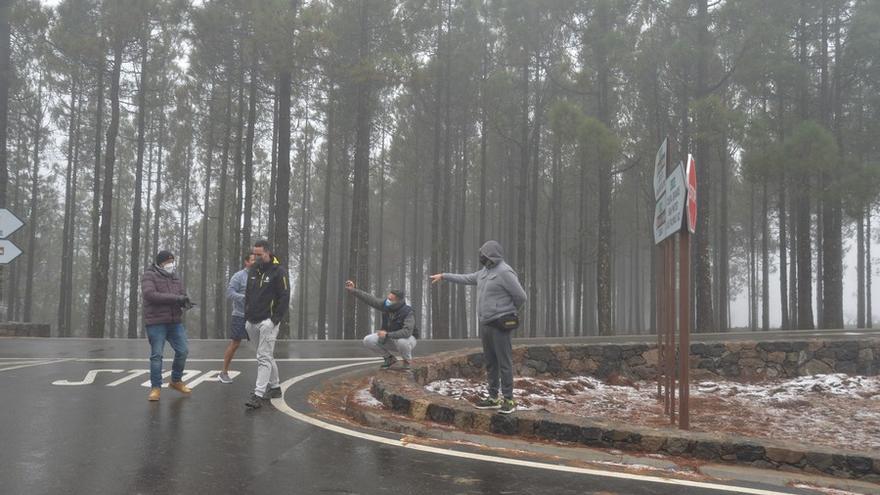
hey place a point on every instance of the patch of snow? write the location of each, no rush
(834, 409)
(365, 398)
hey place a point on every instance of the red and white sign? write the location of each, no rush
(691, 194)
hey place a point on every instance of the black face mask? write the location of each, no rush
(485, 261)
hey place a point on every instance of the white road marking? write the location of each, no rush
(195, 360)
(39, 363)
(132, 374)
(282, 406)
(211, 376)
(89, 378)
(187, 375)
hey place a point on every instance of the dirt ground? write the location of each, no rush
(836, 410)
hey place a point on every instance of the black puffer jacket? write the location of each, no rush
(267, 294)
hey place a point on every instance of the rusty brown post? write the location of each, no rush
(684, 322)
(670, 315)
(659, 322)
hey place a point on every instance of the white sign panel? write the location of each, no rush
(669, 210)
(9, 223)
(660, 170)
(8, 251)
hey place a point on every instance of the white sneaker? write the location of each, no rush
(224, 377)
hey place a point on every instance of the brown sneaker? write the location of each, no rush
(154, 394)
(180, 387)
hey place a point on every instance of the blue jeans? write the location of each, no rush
(175, 334)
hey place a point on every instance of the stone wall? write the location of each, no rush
(745, 361)
(405, 394)
(17, 329)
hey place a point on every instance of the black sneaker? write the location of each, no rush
(507, 406)
(488, 403)
(389, 361)
(274, 392)
(255, 402)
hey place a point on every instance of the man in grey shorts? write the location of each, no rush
(235, 293)
(398, 333)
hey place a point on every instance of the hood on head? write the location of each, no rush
(493, 251)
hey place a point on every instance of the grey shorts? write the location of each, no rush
(237, 330)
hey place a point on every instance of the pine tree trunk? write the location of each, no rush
(100, 314)
(96, 198)
(133, 302)
(860, 270)
(869, 315)
(235, 247)
(220, 278)
(281, 235)
(5, 76)
(804, 262)
(206, 203)
(157, 198)
(33, 223)
(247, 221)
(783, 262)
(327, 220)
(793, 311)
(67, 238)
(358, 316)
(702, 272)
(765, 260)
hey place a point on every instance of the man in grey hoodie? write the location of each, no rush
(499, 298)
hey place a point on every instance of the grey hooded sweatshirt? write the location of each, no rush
(499, 292)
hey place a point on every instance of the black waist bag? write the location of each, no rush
(507, 322)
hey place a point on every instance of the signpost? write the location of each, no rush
(669, 208)
(8, 251)
(691, 195)
(9, 223)
(675, 212)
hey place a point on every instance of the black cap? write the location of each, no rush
(400, 294)
(163, 256)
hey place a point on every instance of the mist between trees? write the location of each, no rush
(384, 141)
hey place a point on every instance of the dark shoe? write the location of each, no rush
(255, 402)
(488, 403)
(275, 393)
(389, 361)
(507, 406)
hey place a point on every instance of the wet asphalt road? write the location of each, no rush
(104, 437)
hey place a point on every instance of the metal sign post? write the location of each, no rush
(675, 211)
(684, 299)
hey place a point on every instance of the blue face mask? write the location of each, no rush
(388, 303)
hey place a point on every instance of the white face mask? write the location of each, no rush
(169, 267)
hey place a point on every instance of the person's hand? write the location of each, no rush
(436, 278)
(382, 334)
(349, 284)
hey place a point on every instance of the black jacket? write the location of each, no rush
(267, 295)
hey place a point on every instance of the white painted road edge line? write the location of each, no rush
(282, 406)
(52, 361)
(198, 360)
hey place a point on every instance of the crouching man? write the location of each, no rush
(398, 333)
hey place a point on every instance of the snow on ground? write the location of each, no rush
(836, 410)
(363, 397)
